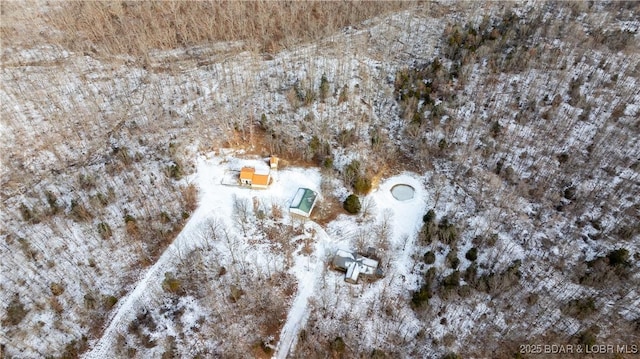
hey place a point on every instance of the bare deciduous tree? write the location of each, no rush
(241, 209)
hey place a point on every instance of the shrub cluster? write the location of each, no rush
(452, 259)
(422, 296)
(104, 230)
(494, 282)
(444, 231)
(606, 269)
(352, 204)
(429, 257)
(580, 308)
(472, 254)
(79, 211)
(15, 312)
(171, 284)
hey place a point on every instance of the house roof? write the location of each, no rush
(367, 265)
(246, 173)
(353, 271)
(342, 259)
(355, 264)
(260, 179)
(304, 200)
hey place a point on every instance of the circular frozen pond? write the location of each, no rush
(403, 192)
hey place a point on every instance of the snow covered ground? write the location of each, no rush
(218, 201)
(405, 221)
(522, 217)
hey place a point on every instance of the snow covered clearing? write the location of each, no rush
(403, 217)
(217, 201)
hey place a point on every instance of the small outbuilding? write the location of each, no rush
(303, 202)
(273, 162)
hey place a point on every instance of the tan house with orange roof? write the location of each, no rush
(246, 175)
(249, 177)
